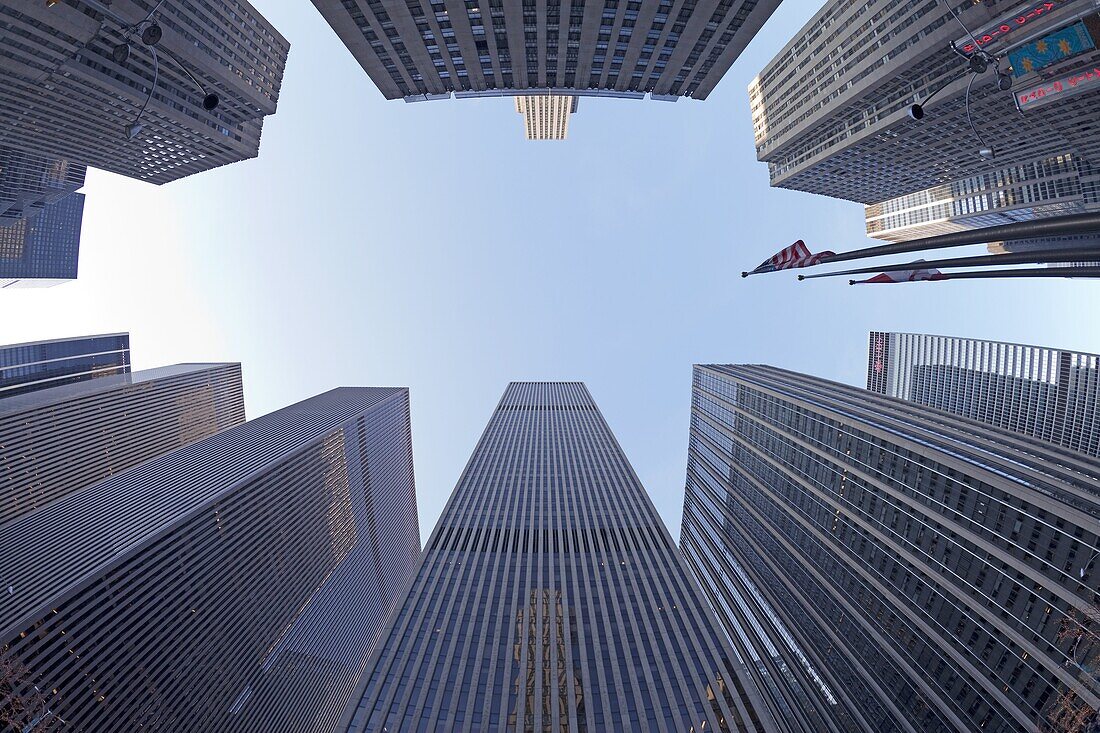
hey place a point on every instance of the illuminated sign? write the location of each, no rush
(1025, 16)
(1050, 49)
(1082, 80)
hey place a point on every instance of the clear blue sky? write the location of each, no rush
(429, 245)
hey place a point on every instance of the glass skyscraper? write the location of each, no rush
(43, 364)
(1046, 393)
(235, 585)
(885, 567)
(40, 218)
(551, 597)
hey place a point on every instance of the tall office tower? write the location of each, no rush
(41, 364)
(59, 440)
(44, 250)
(831, 110)
(1050, 394)
(890, 568)
(231, 585)
(109, 85)
(1063, 184)
(423, 49)
(546, 116)
(30, 182)
(551, 597)
(40, 219)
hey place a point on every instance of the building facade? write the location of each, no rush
(42, 364)
(551, 597)
(1045, 393)
(418, 50)
(67, 93)
(43, 250)
(40, 218)
(59, 440)
(1037, 189)
(831, 110)
(208, 589)
(546, 116)
(921, 572)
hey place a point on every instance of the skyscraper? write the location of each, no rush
(58, 440)
(1063, 184)
(546, 116)
(831, 110)
(40, 218)
(890, 568)
(109, 85)
(423, 49)
(41, 364)
(551, 597)
(231, 585)
(1046, 393)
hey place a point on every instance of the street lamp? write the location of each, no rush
(150, 33)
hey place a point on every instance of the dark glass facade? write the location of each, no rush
(230, 585)
(44, 364)
(925, 572)
(551, 597)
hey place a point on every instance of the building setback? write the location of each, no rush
(157, 598)
(416, 49)
(1045, 393)
(551, 597)
(65, 95)
(51, 363)
(920, 572)
(59, 440)
(831, 110)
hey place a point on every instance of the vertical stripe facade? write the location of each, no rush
(907, 570)
(427, 49)
(150, 600)
(551, 597)
(308, 679)
(1051, 394)
(55, 442)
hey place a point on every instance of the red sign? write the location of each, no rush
(1050, 91)
(1026, 15)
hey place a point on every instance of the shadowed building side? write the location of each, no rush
(65, 93)
(152, 598)
(420, 50)
(937, 574)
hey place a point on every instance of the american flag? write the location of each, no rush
(797, 255)
(901, 276)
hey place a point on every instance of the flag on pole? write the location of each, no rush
(901, 276)
(797, 255)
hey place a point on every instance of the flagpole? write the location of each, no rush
(1009, 258)
(1054, 226)
(1082, 272)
